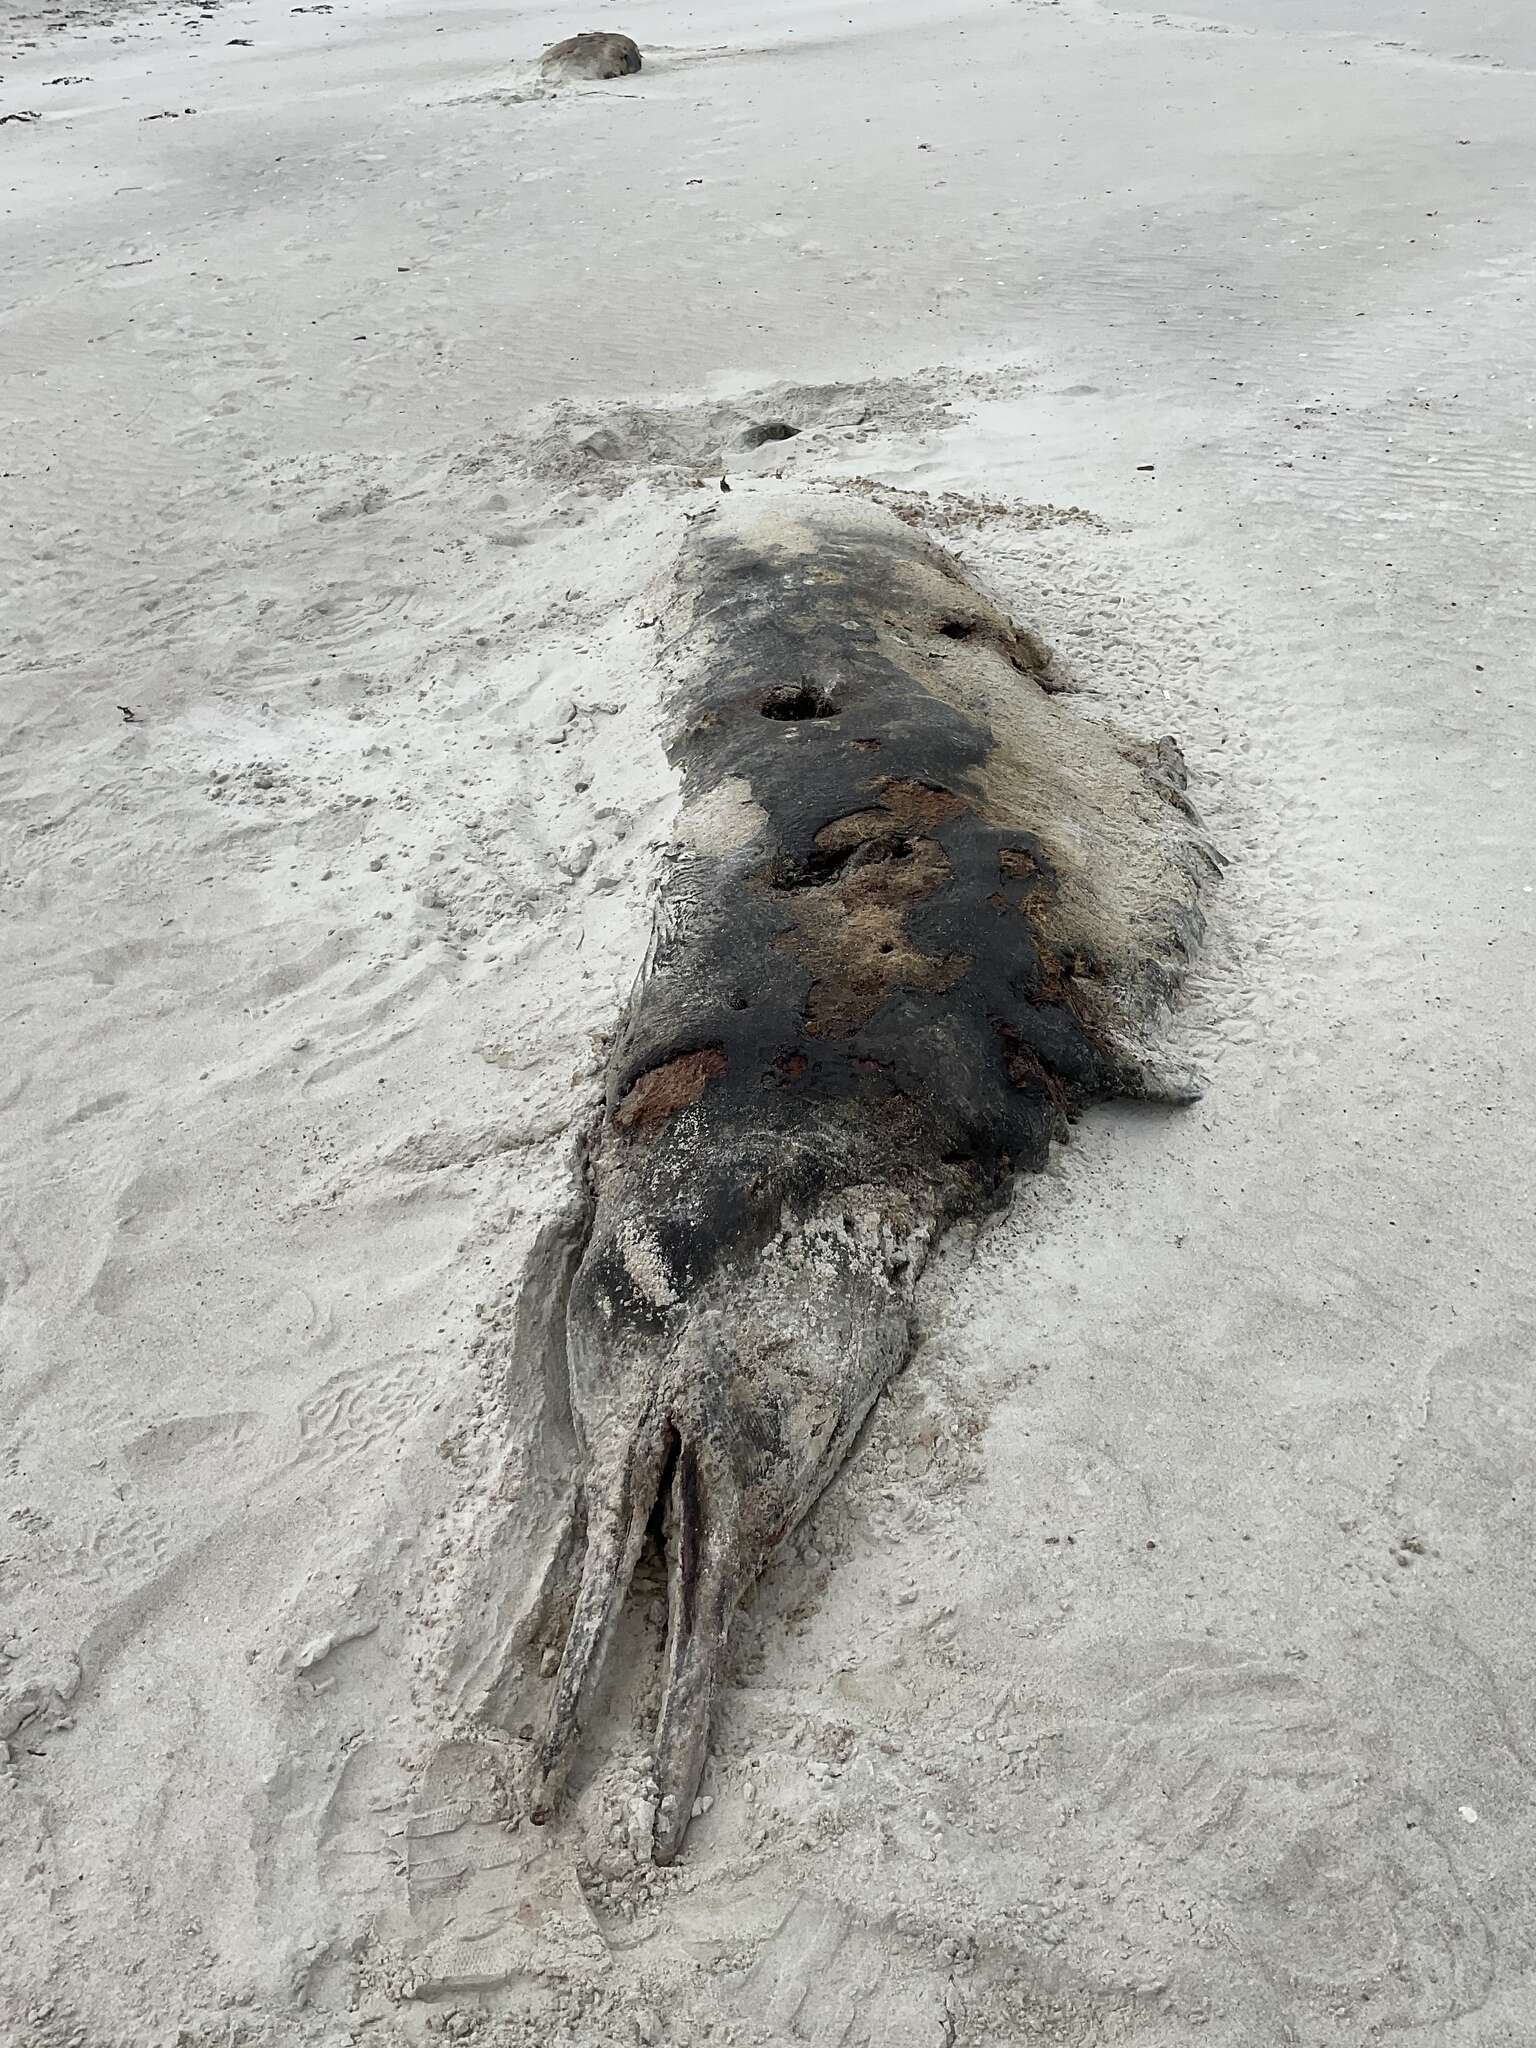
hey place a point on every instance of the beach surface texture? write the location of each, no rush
(1159, 1668)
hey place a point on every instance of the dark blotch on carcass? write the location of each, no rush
(792, 701)
(664, 1090)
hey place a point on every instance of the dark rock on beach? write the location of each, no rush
(593, 54)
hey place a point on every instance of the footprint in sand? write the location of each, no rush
(360, 1409)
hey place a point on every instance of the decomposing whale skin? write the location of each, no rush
(918, 911)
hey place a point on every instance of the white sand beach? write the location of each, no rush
(1160, 1669)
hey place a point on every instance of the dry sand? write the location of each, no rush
(1161, 1671)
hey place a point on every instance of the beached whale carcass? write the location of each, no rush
(919, 909)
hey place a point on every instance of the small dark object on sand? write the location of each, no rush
(919, 912)
(762, 431)
(593, 54)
